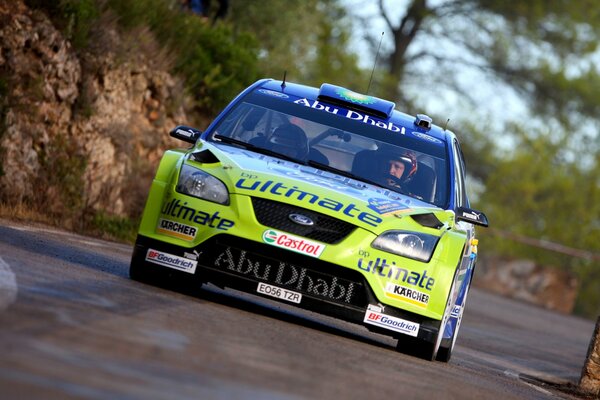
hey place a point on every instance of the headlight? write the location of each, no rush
(415, 245)
(197, 183)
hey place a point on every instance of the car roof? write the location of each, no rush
(375, 107)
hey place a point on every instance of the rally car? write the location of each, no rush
(323, 198)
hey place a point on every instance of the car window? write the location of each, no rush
(404, 165)
(459, 179)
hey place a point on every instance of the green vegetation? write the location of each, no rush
(74, 18)
(111, 227)
(216, 62)
(62, 167)
(541, 190)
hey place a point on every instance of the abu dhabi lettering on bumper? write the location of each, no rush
(279, 189)
(288, 276)
(174, 208)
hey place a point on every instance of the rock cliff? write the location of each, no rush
(81, 129)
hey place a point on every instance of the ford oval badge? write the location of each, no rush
(301, 219)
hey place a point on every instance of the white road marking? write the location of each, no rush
(8, 285)
(517, 375)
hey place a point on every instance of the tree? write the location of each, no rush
(539, 173)
(540, 192)
(308, 39)
(541, 49)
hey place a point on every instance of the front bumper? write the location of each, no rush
(326, 288)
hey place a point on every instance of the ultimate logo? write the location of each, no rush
(354, 97)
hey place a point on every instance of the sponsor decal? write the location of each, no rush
(472, 215)
(175, 208)
(191, 256)
(350, 114)
(391, 271)
(375, 317)
(455, 311)
(274, 93)
(427, 137)
(185, 133)
(320, 177)
(354, 97)
(292, 242)
(176, 229)
(292, 277)
(385, 206)
(297, 194)
(279, 293)
(377, 308)
(346, 185)
(171, 261)
(409, 295)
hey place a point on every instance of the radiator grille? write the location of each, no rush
(277, 215)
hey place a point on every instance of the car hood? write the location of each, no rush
(374, 208)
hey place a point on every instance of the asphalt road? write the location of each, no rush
(73, 325)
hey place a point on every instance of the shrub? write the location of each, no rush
(215, 62)
(73, 17)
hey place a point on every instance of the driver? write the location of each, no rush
(401, 169)
(289, 140)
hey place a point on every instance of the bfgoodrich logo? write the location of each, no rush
(293, 243)
(171, 261)
(374, 317)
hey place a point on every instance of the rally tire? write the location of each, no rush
(416, 348)
(164, 278)
(143, 273)
(445, 351)
(137, 273)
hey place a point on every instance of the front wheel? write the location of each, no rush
(447, 346)
(445, 352)
(137, 273)
(416, 348)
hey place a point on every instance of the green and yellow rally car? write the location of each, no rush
(326, 199)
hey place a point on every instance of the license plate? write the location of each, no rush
(279, 293)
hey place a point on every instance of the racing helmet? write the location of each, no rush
(409, 160)
(290, 140)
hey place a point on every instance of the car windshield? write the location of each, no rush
(294, 130)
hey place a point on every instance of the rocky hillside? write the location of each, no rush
(81, 130)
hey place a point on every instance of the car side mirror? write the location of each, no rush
(186, 134)
(471, 216)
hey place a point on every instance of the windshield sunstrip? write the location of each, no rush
(338, 121)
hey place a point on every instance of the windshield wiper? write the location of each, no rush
(250, 146)
(230, 140)
(347, 174)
